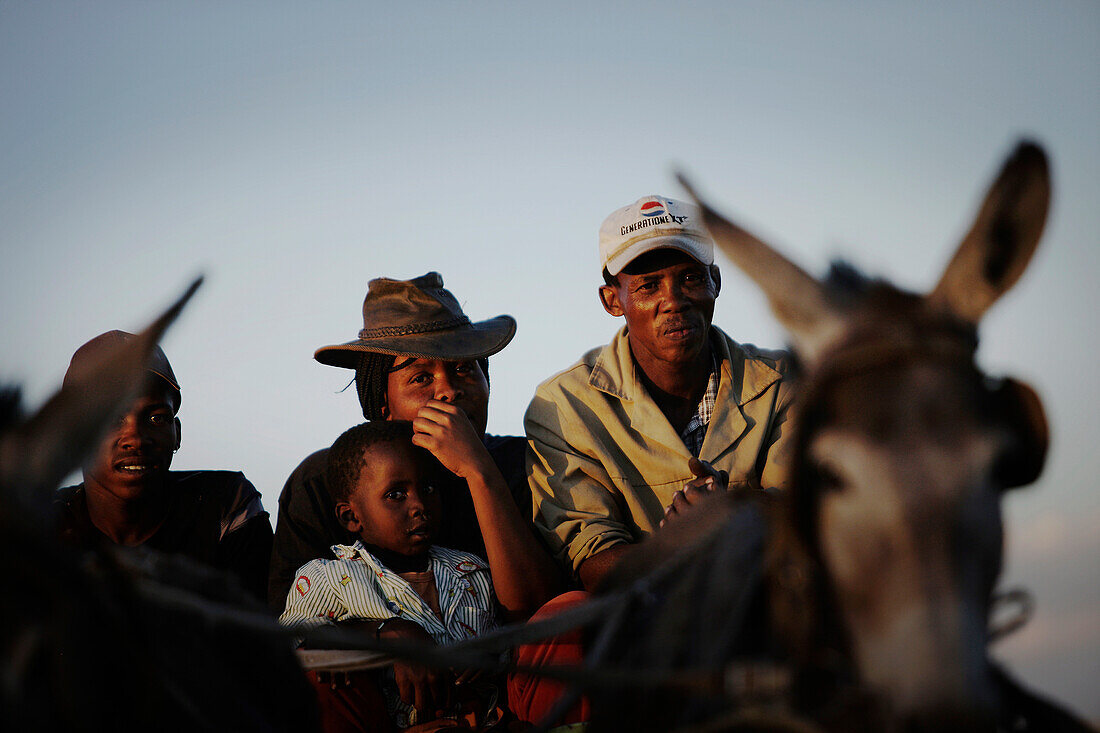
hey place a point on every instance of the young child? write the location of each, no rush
(393, 582)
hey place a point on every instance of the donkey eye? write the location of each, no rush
(827, 476)
(1018, 462)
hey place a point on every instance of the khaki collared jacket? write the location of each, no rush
(604, 461)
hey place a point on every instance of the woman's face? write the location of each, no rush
(459, 382)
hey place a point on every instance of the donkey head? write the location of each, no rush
(904, 447)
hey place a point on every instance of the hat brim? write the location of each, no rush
(471, 341)
(701, 251)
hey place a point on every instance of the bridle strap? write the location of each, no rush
(873, 349)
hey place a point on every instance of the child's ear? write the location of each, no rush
(346, 515)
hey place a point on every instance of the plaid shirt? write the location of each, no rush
(696, 429)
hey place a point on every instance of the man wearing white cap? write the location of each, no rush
(631, 434)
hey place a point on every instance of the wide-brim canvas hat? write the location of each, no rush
(418, 318)
(89, 356)
(653, 222)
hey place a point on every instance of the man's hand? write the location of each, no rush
(426, 689)
(446, 431)
(707, 480)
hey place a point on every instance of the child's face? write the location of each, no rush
(394, 504)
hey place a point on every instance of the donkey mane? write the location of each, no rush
(11, 405)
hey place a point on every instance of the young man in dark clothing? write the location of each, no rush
(130, 497)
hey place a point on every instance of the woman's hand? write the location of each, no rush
(445, 430)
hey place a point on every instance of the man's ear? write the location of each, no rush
(345, 514)
(716, 276)
(179, 433)
(609, 298)
(384, 409)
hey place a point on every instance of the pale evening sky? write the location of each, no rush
(291, 152)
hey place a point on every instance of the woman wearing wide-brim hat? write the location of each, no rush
(419, 358)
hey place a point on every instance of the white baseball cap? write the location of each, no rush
(653, 222)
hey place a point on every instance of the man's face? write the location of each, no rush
(667, 298)
(138, 451)
(394, 504)
(459, 382)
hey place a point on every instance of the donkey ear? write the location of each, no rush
(999, 246)
(797, 299)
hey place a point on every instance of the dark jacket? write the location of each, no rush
(216, 518)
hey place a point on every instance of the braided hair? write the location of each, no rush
(372, 375)
(370, 382)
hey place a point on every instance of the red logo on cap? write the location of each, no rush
(653, 208)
